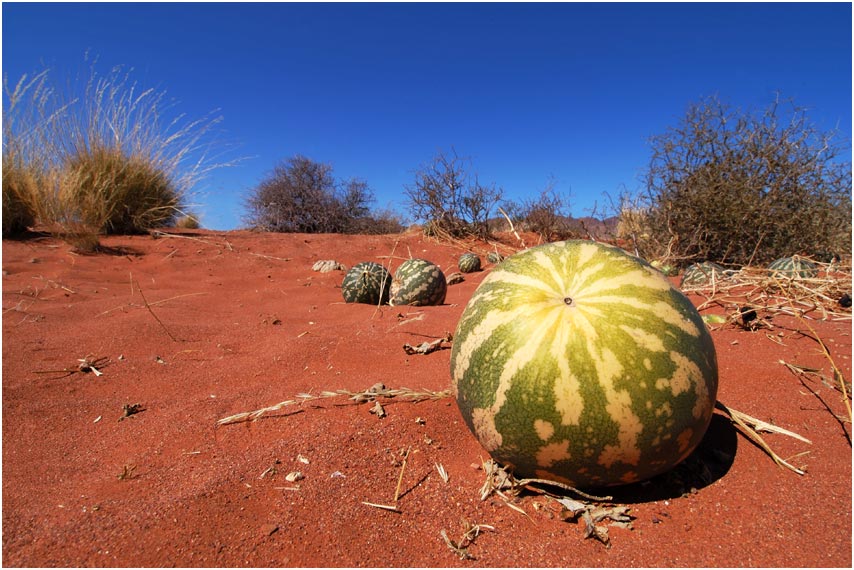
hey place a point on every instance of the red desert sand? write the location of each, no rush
(118, 366)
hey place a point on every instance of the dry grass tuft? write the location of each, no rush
(105, 158)
(19, 183)
(117, 193)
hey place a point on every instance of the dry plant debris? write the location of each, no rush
(470, 532)
(443, 473)
(753, 293)
(129, 410)
(428, 346)
(148, 306)
(128, 472)
(378, 410)
(327, 265)
(501, 482)
(753, 296)
(85, 366)
(618, 515)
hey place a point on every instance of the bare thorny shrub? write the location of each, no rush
(449, 200)
(302, 195)
(110, 158)
(740, 188)
(548, 215)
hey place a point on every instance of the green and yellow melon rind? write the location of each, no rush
(418, 282)
(494, 257)
(795, 266)
(575, 361)
(700, 274)
(469, 263)
(366, 282)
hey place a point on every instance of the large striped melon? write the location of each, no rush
(418, 282)
(577, 362)
(366, 282)
(795, 266)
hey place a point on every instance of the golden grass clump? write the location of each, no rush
(108, 159)
(19, 185)
(117, 193)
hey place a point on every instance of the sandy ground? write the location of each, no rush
(188, 330)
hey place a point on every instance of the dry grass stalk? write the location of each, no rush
(392, 508)
(400, 477)
(750, 427)
(156, 318)
(369, 395)
(837, 374)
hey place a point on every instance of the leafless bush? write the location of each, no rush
(301, 195)
(448, 201)
(549, 215)
(743, 188)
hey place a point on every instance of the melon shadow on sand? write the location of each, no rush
(708, 463)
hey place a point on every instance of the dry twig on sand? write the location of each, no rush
(147, 306)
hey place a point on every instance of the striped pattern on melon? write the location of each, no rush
(577, 362)
(469, 263)
(366, 282)
(699, 274)
(418, 282)
(795, 266)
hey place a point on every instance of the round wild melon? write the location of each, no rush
(795, 266)
(418, 282)
(469, 263)
(699, 274)
(494, 257)
(366, 282)
(577, 362)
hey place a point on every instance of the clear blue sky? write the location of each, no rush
(529, 92)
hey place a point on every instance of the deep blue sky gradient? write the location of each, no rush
(528, 91)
